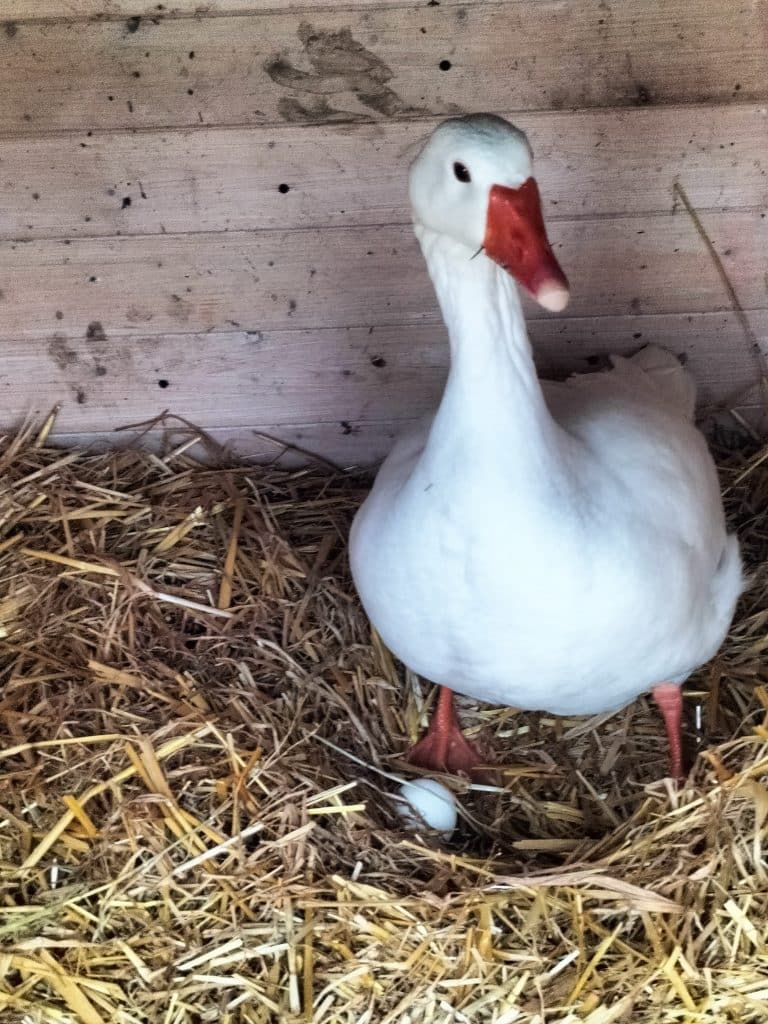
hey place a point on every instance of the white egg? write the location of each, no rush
(425, 803)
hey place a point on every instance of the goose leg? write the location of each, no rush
(445, 748)
(670, 702)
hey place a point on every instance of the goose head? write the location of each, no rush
(473, 183)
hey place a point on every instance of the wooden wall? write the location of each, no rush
(150, 259)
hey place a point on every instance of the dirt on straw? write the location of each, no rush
(201, 739)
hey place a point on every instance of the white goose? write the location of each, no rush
(557, 547)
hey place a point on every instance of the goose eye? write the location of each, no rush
(461, 172)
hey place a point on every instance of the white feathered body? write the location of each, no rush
(571, 591)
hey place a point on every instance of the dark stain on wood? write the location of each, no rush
(340, 64)
(135, 315)
(179, 309)
(60, 352)
(95, 331)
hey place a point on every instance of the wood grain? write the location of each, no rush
(589, 162)
(115, 10)
(358, 445)
(363, 445)
(343, 379)
(377, 64)
(270, 280)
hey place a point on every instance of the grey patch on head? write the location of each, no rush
(490, 126)
(60, 352)
(340, 64)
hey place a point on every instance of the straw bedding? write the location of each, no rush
(201, 739)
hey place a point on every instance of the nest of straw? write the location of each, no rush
(201, 739)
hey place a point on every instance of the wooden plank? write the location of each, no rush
(357, 445)
(353, 276)
(378, 64)
(340, 378)
(364, 444)
(589, 162)
(114, 10)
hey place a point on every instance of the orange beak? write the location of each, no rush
(516, 239)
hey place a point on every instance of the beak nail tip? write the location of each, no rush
(553, 297)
